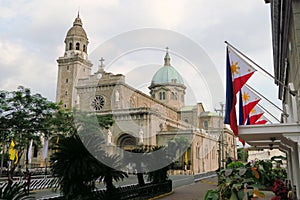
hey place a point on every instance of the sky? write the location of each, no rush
(32, 34)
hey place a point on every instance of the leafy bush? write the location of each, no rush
(14, 192)
(241, 179)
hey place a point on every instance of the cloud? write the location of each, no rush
(33, 33)
(22, 67)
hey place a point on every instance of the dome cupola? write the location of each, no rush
(167, 84)
(167, 74)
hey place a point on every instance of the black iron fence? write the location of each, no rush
(132, 192)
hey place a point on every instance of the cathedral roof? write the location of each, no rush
(77, 29)
(167, 74)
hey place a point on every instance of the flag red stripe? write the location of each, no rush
(263, 121)
(254, 118)
(240, 81)
(233, 121)
(248, 107)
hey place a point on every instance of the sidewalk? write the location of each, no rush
(197, 191)
(194, 191)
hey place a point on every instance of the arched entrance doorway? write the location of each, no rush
(126, 141)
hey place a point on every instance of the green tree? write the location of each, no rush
(242, 154)
(15, 192)
(75, 167)
(25, 116)
(77, 160)
(159, 175)
(108, 172)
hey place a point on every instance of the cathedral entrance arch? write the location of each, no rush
(127, 141)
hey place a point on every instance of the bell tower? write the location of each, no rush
(74, 65)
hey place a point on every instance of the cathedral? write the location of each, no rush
(142, 119)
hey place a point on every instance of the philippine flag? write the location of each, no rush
(237, 74)
(255, 114)
(230, 112)
(248, 100)
(241, 71)
(262, 120)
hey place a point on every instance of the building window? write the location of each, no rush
(162, 96)
(68, 67)
(84, 48)
(77, 46)
(35, 151)
(205, 124)
(67, 80)
(65, 105)
(187, 121)
(66, 92)
(70, 46)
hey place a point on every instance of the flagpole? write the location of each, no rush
(278, 81)
(267, 100)
(268, 112)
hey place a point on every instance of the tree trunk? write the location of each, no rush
(109, 183)
(140, 177)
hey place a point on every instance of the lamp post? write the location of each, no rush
(221, 138)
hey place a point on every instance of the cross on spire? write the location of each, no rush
(101, 65)
(102, 61)
(167, 57)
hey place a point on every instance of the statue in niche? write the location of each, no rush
(109, 135)
(117, 96)
(141, 136)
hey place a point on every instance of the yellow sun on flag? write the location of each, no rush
(234, 68)
(245, 97)
(252, 111)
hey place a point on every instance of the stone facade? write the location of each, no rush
(154, 119)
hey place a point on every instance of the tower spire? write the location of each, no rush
(167, 58)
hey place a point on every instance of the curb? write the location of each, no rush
(199, 179)
(162, 195)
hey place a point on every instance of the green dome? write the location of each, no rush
(167, 74)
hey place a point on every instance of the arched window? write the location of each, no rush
(172, 95)
(162, 95)
(67, 80)
(70, 46)
(84, 48)
(205, 124)
(66, 92)
(68, 67)
(77, 46)
(35, 151)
